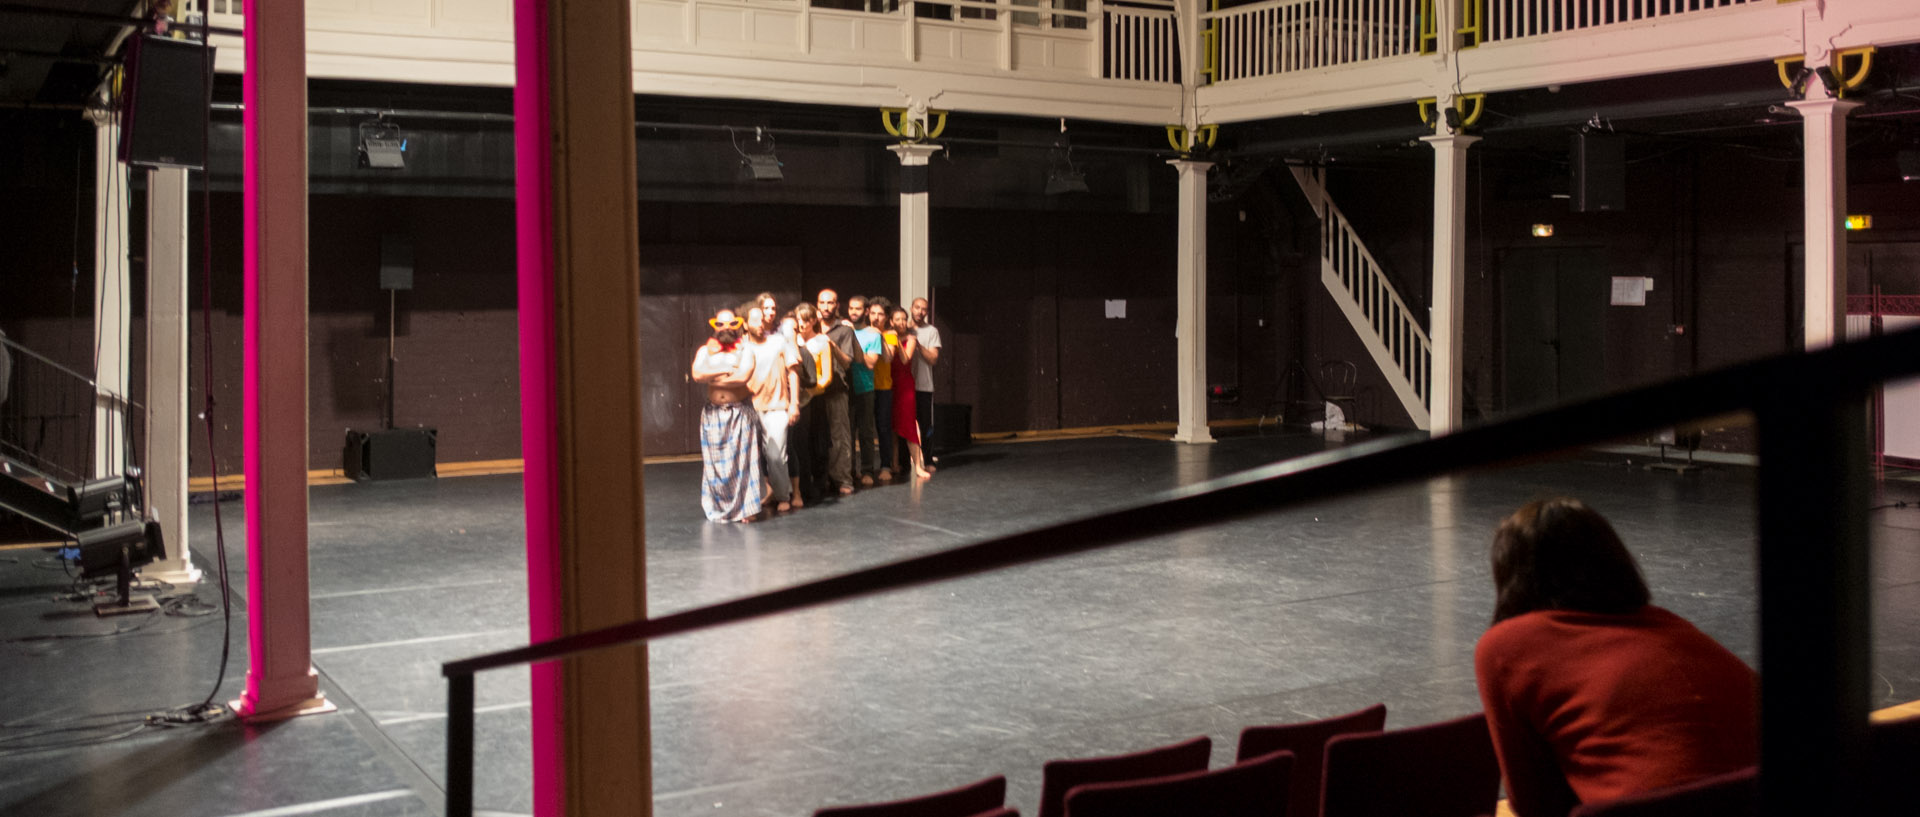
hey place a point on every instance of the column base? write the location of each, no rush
(186, 577)
(1193, 436)
(316, 705)
(285, 698)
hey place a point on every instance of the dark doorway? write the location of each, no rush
(1553, 338)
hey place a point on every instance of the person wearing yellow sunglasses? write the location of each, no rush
(732, 486)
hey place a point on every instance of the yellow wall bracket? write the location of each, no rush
(1185, 142)
(1850, 78)
(900, 122)
(1470, 106)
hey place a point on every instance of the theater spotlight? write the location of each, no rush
(382, 145)
(117, 550)
(758, 164)
(1062, 176)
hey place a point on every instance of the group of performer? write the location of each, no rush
(812, 403)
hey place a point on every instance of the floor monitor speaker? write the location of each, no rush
(399, 453)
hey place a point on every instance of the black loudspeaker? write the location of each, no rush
(396, 262)
(164, 103)
(1909, 161)
(400, 453)
(1599, 172)
(952, 427)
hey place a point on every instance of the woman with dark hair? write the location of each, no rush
(1591, 692)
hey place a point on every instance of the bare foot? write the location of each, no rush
(886, 475)
(784, 507)
(846, 490)
(798, 503)
(866, 480)
(924, 473)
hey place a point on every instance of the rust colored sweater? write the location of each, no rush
(1587, 707)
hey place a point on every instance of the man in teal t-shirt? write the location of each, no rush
(860, 381)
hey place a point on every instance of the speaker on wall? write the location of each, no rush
(396, 262)
(164, 103)
(1599, 172)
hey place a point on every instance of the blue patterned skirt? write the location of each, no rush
(731, 483)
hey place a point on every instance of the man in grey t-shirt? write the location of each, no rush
(923, 364)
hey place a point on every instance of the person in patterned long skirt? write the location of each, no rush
(732, 488)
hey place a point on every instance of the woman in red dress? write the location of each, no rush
(905, 424)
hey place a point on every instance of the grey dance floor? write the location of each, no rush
(1280, 618)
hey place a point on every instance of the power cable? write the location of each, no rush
(206, 710)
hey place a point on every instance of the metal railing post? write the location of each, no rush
(1815, 641)
(460, 745)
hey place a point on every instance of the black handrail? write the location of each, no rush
(1811, 415)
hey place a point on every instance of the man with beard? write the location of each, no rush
(865, 351)
(833, 404)
(775, 384)
(731, 486)
(923, 364)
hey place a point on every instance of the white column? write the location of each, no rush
(1824, 126)
(110, 315)
(166, 456)
(1447, 321)
(913, 219)
(1190, 325)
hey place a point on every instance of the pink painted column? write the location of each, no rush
(280, 679)
(580, 398)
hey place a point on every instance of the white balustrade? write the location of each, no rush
(1283, 36)
(1141, 42)
(1516, 19)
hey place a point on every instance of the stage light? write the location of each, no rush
(382, 145)
(117, 550)
(1542, 231)
(762, 167)
(760, 164)
(1859, 222)
(1062, 176)
(1066, 181)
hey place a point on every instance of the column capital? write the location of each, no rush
(1191, 165)
(1455, 141)
(1824, 106)
(914, 153)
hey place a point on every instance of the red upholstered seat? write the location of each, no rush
(1308, 743)
(1255, 788)
(984, 797)
(1060, 776)
(1444, 769)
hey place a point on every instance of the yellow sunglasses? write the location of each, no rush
(716, 323)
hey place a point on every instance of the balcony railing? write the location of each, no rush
(1284, 36)
(1141, 42)
(1500, 20)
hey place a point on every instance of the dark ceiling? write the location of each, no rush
(54, 53)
